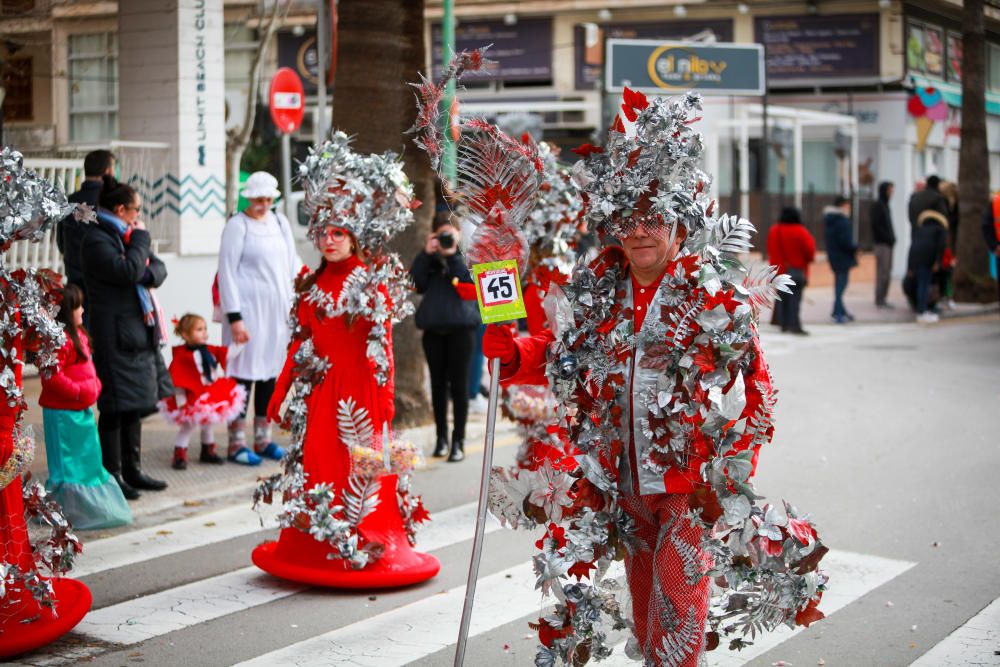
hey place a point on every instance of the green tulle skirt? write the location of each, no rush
(89, 496)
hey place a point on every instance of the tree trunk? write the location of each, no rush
(380, 49)
(971, 278)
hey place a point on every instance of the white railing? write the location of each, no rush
(65, 175)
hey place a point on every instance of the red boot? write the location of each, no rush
(180, 461)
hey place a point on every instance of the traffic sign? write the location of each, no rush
(498, 290)
(287, 100)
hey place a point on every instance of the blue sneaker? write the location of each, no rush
(272, 451)
(245, 456)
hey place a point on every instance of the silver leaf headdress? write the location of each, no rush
(367, 194)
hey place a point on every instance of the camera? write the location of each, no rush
(446, 240)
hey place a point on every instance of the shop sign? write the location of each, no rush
(658, 67)
(806, 48)
(521, 51)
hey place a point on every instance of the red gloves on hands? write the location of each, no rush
(466, 291)
(498, 343)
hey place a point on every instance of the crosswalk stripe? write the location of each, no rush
(171, 537)
(974, 643)
(427, 626)
(418, 629)
(176, 608)
(852, 575)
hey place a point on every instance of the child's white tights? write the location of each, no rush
(185, 431)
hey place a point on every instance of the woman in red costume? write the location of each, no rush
(34, 609)
(350, 520)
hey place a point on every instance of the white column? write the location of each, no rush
(172, 89)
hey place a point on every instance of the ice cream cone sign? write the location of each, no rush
(927, 106)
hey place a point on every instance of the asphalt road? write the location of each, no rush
(886, 435)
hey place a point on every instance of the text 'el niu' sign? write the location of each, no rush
(669, 68)
(287, 100)
(498, 291)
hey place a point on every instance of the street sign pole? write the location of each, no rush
(484, 488)
(286, 174)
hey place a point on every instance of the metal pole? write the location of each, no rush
(322, 46)
(765, 154)
(286, 175)
(447, 53)
(484, 487)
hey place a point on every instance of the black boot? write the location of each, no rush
(111, 459)
(131, 465)
(441, 448)
(457, 450)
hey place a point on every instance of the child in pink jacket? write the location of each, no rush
(87, 493)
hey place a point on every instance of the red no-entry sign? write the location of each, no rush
(287, 100)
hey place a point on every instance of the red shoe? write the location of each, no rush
(180, 458)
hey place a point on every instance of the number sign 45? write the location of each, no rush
(498, 288)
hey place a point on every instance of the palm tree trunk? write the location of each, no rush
(972, 279)
(380, 49)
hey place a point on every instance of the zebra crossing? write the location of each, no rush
(390, 628)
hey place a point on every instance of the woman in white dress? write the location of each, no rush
(257, 268)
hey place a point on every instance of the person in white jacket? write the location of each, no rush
(258, 263)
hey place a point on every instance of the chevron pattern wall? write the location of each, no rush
(168, 194)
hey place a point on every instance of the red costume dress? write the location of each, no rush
(209, 396)
(25, 624)
(344, 343)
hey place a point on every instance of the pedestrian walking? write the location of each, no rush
(449, 323)
(883, 242)
(927, 249)
(120, 271)
(258, 263)
(841, 251)
(341, 364)
(204, 395)
(69, 234)
(89, 496)
(792, 249)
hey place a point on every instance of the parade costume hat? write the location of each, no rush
(35, 609)
(369, 195)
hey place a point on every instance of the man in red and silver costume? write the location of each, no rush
(665, 398)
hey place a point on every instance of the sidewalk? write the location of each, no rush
(817, 302)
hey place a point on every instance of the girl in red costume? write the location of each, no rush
(204, 397)
(349, 520)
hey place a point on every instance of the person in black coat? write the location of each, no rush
(118, 269)
(930, 239)
(930, 198)
(840, 251)
(70, 232)
(449, 324)
(883, 240)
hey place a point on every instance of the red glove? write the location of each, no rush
(274, 407)
(466, 291)
(498, 343)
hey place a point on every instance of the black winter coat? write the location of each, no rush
(70, 233)
(442, 309)
(881, 220)
(929, 241)
(126, 354)
(926, 199)
(840, 247)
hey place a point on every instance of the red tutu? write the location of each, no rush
(220, 403)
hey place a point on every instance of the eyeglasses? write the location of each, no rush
(336, 233)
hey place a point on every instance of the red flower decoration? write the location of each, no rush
(581, 570)
(802, 531)
(633, 103)
(811, 613)
(585, 150)
(555, 533)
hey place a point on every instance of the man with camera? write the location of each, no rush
(449, 323)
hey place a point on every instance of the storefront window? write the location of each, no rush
(93, 87)
(993, 66)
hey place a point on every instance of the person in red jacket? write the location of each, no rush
(203, 396)
(89, 496)
(792, 249)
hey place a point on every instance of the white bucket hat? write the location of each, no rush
(260, 184)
